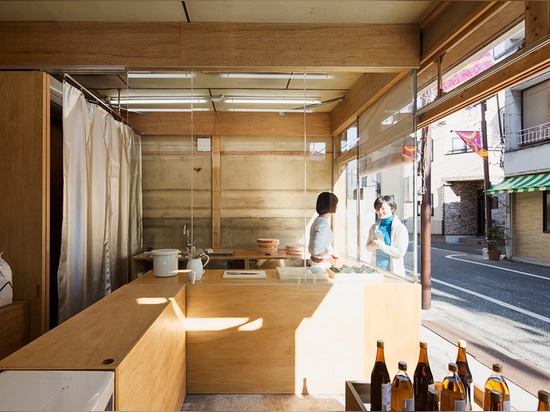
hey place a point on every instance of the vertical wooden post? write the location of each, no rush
(537, 21)
(216, 191)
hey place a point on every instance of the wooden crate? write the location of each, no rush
(357, 395)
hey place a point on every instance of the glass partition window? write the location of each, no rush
(385, 166)
(236, 188)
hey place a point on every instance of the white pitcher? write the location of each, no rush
(197, 265)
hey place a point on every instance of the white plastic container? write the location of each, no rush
(165, 262)
(57, 391)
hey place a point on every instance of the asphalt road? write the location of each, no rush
(503, 304)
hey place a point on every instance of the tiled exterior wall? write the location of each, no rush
(528, 237)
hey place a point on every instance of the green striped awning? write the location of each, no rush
(519, 184)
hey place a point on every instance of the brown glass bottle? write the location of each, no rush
(422, 379)
(495, 401)
(496, 382)
(544, 401)
(380, 383)
(402, 392)
(464, 373)
(433, 400)
(453, 395)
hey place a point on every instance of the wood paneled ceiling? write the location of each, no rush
(212, 90)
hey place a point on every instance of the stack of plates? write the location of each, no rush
(268, 246)
(294, 249)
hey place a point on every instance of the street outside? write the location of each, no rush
(503, 304)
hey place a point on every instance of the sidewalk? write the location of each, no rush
(442, 351)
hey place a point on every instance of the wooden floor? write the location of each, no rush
(264, 403)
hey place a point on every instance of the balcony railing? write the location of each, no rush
(534, 134)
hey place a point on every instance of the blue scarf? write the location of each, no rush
(383, 259)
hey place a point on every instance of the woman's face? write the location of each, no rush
(384, 211)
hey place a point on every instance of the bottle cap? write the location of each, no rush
(496, 396)
(453, 367)
(423, 345)
(544, 396)
(380, 343)
(461, 343)
(402, 365)
(497, 367)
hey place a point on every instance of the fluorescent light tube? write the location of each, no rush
(241, 109)
(168, 109)
(156, 100)
(150, 75)
(309, 76)
(259, 100)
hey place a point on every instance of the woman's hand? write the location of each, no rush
(375, 242)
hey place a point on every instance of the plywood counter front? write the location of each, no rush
(136, 331)
(284, 336)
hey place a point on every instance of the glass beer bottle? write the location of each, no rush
(380, 383)
(402, 392)
(544, 401)
(422, 379)
(495, 401)
(453, 395)
(464, 373)
(433, 400)
(496, 382)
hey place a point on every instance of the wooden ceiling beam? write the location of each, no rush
(321, 46)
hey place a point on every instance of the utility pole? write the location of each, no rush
(487, 181)
(426, 220)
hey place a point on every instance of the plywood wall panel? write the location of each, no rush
(243, 232)
(231, 124)
(24, 190)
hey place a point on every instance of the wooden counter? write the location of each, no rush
(165, 337)
(136, 331)
(281, 336)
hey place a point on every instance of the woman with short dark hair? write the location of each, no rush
(388, 237)
(320, 235)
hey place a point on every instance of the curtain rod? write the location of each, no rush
(101, 103)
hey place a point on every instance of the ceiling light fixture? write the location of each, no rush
(242, 109)
(309, 76)
(167, 109)
(274, 100)
(157, 100)
(152, 75)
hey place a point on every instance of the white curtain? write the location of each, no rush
(102, 216)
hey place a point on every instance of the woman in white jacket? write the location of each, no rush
(388, 238)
